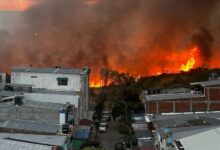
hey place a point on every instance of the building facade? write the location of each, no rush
(207, 99)
(2, 80)
(56, 85)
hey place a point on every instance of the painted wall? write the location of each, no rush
(2, 80)
(47, 80)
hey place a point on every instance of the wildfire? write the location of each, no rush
(94, 84)
(191, 56)
(191, 61)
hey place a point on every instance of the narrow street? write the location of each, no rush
(111, 137)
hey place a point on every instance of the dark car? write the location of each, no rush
(107, 115)
(65, 128)
(119, 146)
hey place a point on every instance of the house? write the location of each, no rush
(36, 111)
(170, 129)
(53, 85)
(206, 97)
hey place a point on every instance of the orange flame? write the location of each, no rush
(94, 84)
(191, 61)
(190, 56)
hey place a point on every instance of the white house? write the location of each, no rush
(57, 85)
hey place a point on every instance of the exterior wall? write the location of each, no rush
(152, 107)
(53, 98)
(2, 80)
(182, 106)
(179, 106)
(47, 80)
(210, 102)
(214, 94)
(84, 96)
(215, 106)
(165, 107)
(199, 106)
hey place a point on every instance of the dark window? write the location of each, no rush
(62, 81)
(0, 78)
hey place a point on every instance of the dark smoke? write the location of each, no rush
(133, 35)
(204, 40)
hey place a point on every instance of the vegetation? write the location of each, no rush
(123, 89)
(92, 145)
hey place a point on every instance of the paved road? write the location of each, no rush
(111, 137)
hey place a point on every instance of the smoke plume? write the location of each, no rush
(134, 36)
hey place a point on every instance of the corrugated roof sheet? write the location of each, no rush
(208, 140)
(82, 132)
(44, 105)
(51, 70)
(41, 139)
(172, 96)
(207, 83)
(9, 93)
(215, 115)
(37, 104)
(31, 126)
(16, 145)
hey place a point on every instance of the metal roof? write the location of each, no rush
(176, 90)
(207, 83)
(177, 122)
(36, 104)
(31, 126)
(172, 122)
(16, 145)
(203, 140)
(58, 140)
(187, 133)
(172, 96)
(44, 105)
(215, 115)
(142, 133)
(45, 91)
(9, 93)
(82, 132)
(58, 70)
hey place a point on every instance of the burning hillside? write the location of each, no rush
(138, 37)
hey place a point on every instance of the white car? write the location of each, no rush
(102, 128)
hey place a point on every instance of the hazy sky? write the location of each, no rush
(135, 36)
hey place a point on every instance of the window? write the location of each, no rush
(62, 81)
(0, 78)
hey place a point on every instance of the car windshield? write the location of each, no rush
(102, 125)
(104, 119)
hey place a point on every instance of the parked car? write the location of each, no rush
(102, 127)
(65, 128)
(119, 146)
(104, 121)
(106, 114)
